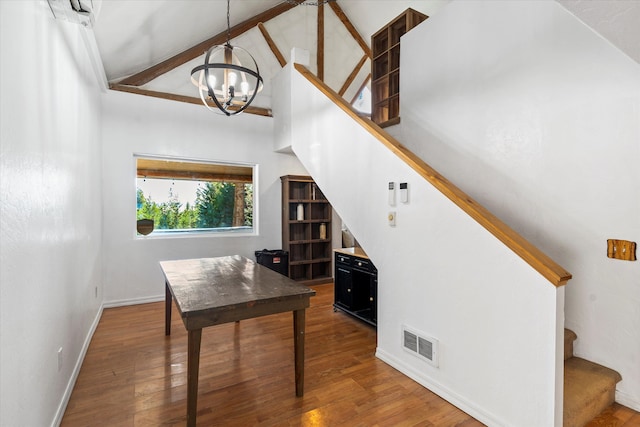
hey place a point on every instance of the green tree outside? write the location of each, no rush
(213, 208)
(214, 203)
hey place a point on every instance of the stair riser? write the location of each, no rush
(569, 338)
(581, 418)
(568, 350)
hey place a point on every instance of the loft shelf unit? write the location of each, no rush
(385, 67)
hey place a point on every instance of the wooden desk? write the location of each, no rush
(211, 291)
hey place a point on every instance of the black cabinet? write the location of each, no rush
(356, 286)
(343, 287)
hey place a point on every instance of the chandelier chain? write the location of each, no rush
(228, 23)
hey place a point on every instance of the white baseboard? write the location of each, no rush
(76, 370)
(627, 400)
(133, 301)
(442, 391)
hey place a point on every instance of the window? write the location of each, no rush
(362, 102)
(186, 196)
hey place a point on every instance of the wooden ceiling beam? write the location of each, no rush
(130, 84)
(182, 98)
(320, 40)
(151, 73)
(194, 176)
(350, 27)
(353, 75)
(272, 45)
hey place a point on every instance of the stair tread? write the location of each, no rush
(578, 370)
(588, 389)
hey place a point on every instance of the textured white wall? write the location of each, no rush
(538, 118)
(138, 124)
(497, 320)
(617, 21)
(50, 210)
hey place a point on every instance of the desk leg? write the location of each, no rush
(298, 333)
(193, 366)
(167, 309)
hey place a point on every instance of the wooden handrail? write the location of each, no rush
(537, 259)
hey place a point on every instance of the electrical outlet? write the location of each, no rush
(621, 249)
(59, 359)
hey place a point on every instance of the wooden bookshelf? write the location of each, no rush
(310, 253)
(385, 67)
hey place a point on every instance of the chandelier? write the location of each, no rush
(229, 77)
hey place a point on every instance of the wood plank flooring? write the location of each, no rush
(135, 376)
(616, 416)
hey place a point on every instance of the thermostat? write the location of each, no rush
(404, 192)
(392, 194)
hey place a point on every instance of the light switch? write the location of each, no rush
(621, 249)
(392, 219)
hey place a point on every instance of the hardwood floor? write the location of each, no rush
(135, 376)
(616, 416)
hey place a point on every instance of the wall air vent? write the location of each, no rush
(420, 345)
(81, 12)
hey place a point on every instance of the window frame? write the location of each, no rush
(199, 233)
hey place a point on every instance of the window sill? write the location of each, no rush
(198, 232)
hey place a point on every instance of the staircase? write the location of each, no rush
(444, 215)
(589, 388)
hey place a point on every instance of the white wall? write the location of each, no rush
(138, 124)
(497, 320)
(538, 118)
(50, 210)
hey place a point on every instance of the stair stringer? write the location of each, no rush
(499, 322)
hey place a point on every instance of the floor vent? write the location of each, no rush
(420, 345)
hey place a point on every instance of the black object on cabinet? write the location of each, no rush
(356, 287)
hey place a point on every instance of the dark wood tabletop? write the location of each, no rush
(211, 291)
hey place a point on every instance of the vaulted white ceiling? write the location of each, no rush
(133, 36)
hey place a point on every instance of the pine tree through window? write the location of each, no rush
(187, 196)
